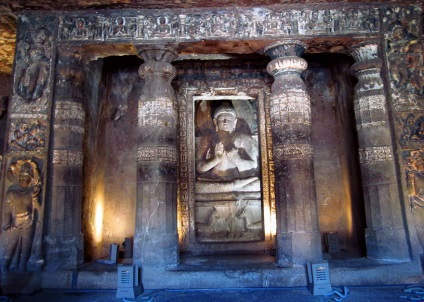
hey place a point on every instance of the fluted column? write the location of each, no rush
(298, 238)
(156, 239)
(385, 234)
(64, 235)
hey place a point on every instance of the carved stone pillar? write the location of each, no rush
(156, 239)
(298, 238)
(385, 235)
(64, 222)
(26, 159)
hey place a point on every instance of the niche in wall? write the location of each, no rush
(336, 160)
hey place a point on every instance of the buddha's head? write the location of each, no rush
(225, 118)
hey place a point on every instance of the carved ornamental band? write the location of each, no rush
(375, 154)
(68, 158)
(69, 110)
(371, 105)
(298, 151)
(292, 107)
(149, 154)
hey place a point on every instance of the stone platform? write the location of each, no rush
(246, 271)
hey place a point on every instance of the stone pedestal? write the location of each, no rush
(385, 234)
(156, 239)
(298, 237)
(64, 241)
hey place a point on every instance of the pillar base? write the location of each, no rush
(298, 248)
(158, 251)
(24, 283)
(387, 245)
(64, 252)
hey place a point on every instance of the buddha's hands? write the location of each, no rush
(233, 156)
(219, 150)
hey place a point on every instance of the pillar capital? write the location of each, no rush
(366, 56)
(288, 48)
(367, 69)
(286, 60)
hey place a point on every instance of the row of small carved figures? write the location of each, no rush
(151, 26)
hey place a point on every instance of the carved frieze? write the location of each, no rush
(241, 23)
(375, 154)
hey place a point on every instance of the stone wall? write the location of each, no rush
(59, 123)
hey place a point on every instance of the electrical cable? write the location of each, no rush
(338, 294)
(416, 293)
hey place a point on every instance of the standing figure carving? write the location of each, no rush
(227, 160)
(22, 212)
(33, 70)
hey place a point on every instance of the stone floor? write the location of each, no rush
(298, 294)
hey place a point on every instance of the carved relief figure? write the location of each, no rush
(22, 210)
(415, 178)
(33, 71)
(412, 129)
(414, 163)
(27, 137)
(3, 104)
(227, 159)
(405, 60)
(120, 28)
(230, 223)
(163, 28)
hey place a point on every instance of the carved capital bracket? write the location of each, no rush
(157, 61)
(157, 53)
(70, 65)
(157, 68)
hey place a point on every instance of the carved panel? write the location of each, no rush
(33, 65)
(404, 56)
(27, 135)
(199, 210)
